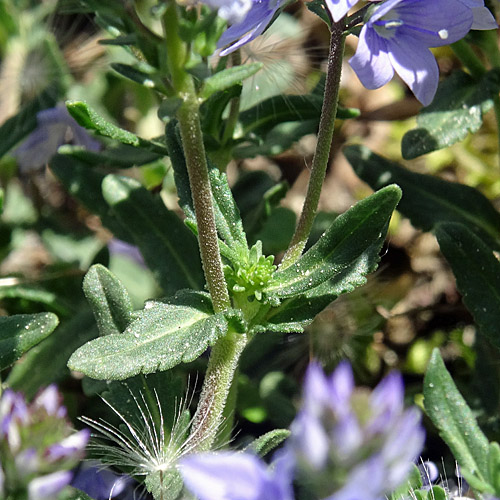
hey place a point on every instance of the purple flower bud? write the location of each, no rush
(70, 447)
(45, 487)
(343, 436)
(37, 445)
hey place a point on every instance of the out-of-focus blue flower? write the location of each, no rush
(233, 11)
(254, 23)
(120, 247)
(346, 443)
(38, 446)
(237, 476)
(101, 483)
(397, 37)
(345, 437)
(55, 128)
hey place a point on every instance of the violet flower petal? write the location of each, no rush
(229, 476)
(253, 25)
(339, 8)
(45, 487)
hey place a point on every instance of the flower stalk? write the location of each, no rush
(226, 352)
(323, 147)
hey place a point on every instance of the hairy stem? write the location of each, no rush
(226, 352)
(216, 386)
(322, 153)
(194, 151)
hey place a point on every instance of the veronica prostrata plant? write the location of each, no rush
(217, 290)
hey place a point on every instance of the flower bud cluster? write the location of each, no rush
(345, 437)
(38, 446)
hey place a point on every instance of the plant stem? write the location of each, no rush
(226, 352)
(216, 386)
(196, 162)
(188, 117)
(322, 153)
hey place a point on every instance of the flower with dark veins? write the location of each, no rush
(397, 37)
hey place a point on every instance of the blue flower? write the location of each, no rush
(233, 11)
(37, 445)
(345, 437)
(397, 37)
(345, 443)
(237, 476)
(55, 128)
(250, 27)
(101, 483)
(339, 8)
(482, 17)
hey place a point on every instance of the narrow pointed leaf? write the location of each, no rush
(477, 272)
(21, 332)
(429, 200)
(84, 184)
(90, 119)
(168, 247)
(164, 335)
(456, 424)
(228, 77)
(294, 314)
(340, 247)
(108, 299)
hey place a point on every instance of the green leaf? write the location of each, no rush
(73, 494)
(143, 74)
(456, 424)
(268, 442)
(264, 116)
(279, 139)
(19, 333)
(46, 362)
(294, 314)
(109, 300)
(212, 110)
(429, 200)
(1, 201)
(168, 247)
(494, 467)
(477, 272)
(23, 123)
(88, 118)
(342, 244)
(456, 110)
(84, 184)
(163, 335)
(120, 156)
(228, 77)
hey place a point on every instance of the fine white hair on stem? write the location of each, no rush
(144, 446)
